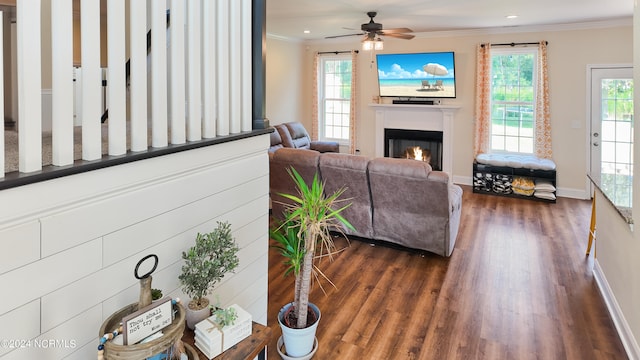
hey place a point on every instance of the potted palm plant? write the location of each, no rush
(302, 238)
(206, 263)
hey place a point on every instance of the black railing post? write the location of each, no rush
(259, 47)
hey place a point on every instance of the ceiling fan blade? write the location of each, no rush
(400, 36)
(339, 36)
(396, 30)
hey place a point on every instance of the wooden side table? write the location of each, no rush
(247, 349)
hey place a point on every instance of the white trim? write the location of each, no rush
(581, 194)
(621, 324)
(462, 180)
(417, 117)
(626, 21)
(604, 24)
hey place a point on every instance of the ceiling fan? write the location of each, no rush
(373, 29)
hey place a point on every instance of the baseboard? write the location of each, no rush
(573, 193)
(626, 336)
(462, 180)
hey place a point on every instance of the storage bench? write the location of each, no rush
(516, 176)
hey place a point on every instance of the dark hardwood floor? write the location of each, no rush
(517, 286)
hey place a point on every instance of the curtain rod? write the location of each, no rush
(514, 44)
(338, 52)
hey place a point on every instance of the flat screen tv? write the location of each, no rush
(421, 75)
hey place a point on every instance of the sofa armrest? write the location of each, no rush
(325, 146)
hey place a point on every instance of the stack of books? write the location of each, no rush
(212, 338)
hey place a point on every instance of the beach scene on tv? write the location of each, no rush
(417, 75)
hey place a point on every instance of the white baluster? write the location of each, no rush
(235, 72)
(209, 69)
(223, 66)
(138, 74)
(62, 82)
(29, 85)
(194, 78)
(158, 74)
(178, 96)
(91, 80)
(116, 77)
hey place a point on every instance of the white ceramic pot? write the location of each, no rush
(195, 316)
(298, 342)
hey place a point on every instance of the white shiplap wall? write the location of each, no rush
(70, 245)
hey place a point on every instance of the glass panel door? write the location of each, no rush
(612, 132)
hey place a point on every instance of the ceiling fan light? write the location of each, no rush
(367, 45)
(378, 44)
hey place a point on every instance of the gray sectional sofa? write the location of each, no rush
(400, 201)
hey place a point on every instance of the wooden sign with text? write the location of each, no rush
(147, 321)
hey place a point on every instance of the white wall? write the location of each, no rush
(617, 267)
(71, 244)
(570, 50)
(285, 82)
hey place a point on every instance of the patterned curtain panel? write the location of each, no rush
(314, 101)
(483, 99)
(354, 96)
(543, 118)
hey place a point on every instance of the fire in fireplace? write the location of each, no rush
(414, 144)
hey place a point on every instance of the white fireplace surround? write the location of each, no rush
(417, 117)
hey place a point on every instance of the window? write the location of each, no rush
(334, 94)
(513, 100)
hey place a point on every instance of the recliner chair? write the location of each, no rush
(294, 135)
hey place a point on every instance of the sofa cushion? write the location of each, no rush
(306, 164)
(299, 135)
(410, 204)
(276, 141)
(350, 172)
(285, 136)
(401, 167)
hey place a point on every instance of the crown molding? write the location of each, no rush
(588, 25)
(603, 24)
(284, 38)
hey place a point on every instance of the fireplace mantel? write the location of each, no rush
(417, 117)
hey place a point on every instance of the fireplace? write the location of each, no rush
(436, 118)
(420, 145)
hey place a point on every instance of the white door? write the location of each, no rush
(611, 136)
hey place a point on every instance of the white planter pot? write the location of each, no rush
(195, 316)
(298, 342)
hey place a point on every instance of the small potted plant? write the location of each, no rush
(206, 263)
(302, 238)
(156, 294)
